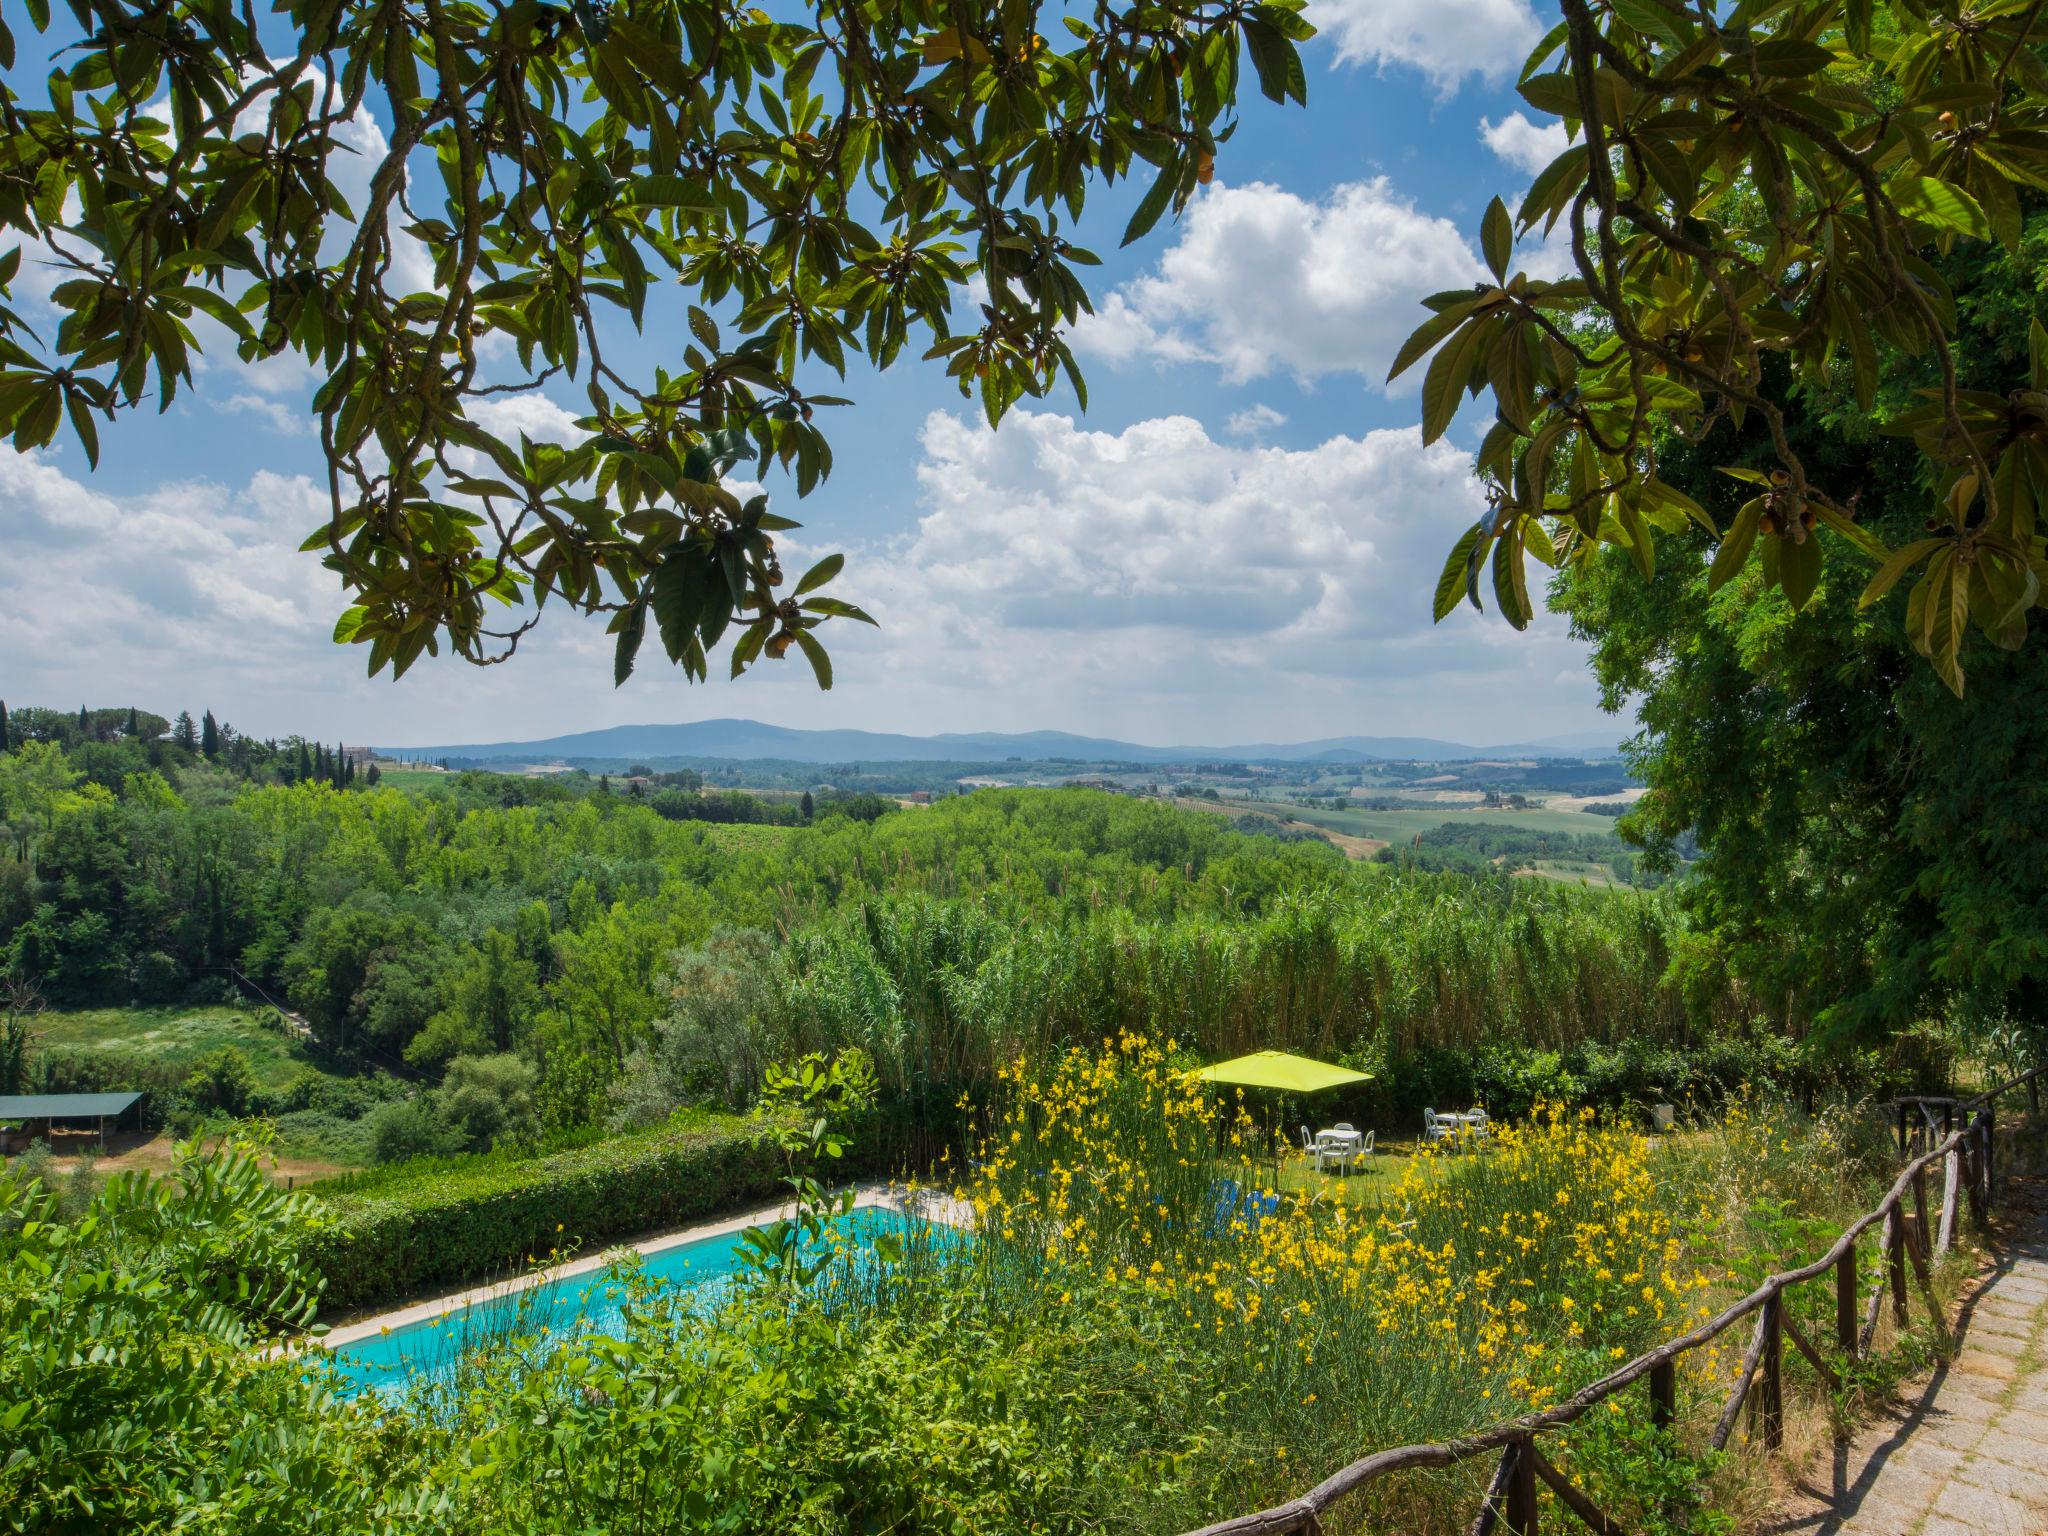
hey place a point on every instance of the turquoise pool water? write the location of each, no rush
(577, 1304)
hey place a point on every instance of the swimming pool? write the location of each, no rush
(591, 1302)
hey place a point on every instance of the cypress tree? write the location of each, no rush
(209, 736)
(134, 728)
(809, 806)
(84, 724)
(4, 742)
(372, 776)
(305, 764)
(184, 733)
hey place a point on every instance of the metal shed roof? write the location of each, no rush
(63, 1106)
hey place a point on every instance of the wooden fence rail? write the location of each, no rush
(1509, 1506)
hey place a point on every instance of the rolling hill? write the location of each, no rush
(749, 739)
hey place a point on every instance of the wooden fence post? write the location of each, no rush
(1968, 1147)
(1975, 1182)
(1845, 1302)
(1902, 1131)
(1990, 1157)
(1521, 1518)
(1951, 1190)
(1769, 1402)
(1921, 1226)
(1895, 1252)
(1663, 1394)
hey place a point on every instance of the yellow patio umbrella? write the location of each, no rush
(1282, 1070)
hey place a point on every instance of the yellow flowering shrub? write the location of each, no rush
(1131, 1205)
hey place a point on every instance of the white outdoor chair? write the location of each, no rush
(1365, 1147)
(1340, 1153)
(1313, 1149)
(1482, 1128)
(1343, 1125)
(1435, 1128)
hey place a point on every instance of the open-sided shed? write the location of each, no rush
(47, 1109)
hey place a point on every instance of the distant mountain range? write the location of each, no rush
(744, 739)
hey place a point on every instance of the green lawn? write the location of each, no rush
(176, 1034)
(1369, 1181)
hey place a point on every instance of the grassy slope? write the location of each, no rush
(176, 1034)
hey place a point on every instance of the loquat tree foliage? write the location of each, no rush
(821, 183)
(1754, 194)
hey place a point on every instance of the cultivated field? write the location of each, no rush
(1401, 826)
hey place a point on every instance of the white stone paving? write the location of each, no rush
(1968, 1454)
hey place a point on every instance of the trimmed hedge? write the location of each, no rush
(402, 1230)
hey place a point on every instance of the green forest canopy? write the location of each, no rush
(579, 931)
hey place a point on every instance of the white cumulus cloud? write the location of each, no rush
(1264, 281)
(1160, 584)
(1445, 39)
(1526, 145)
(1254, 421)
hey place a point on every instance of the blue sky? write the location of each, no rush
(1236, 542)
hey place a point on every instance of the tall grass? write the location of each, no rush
(939, 992)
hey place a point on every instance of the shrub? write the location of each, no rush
(221, 1082)
(414, 1225)
(161, 1082)
(487, 1099)
(407, 1129)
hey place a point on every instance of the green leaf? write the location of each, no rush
(1948, 617)
(1653, 20)
(1497, 238)
(1150, 208)
(1735, 546)
(1545, 47)
(1278, 63)
(1427, 335)
(1444, 385)
(1669, 495)
(349, 626)
(1856, 27)
(832, 607)
(1451, 584)
(1511, 580)
(1938, 204)
(1902, 560)
(682, 583)
(1641, 544)
(1799, 564)
(631, 633)
(821, 664)
(819, 574)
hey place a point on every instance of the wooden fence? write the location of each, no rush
(1964, 1151)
